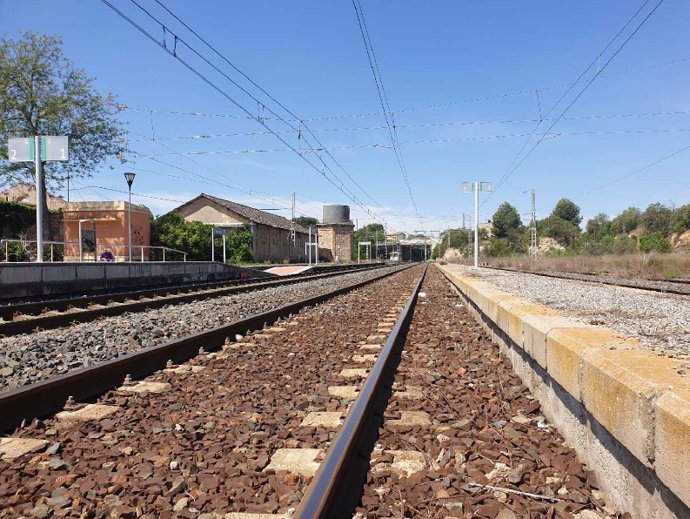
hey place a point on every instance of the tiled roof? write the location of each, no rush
(255, 215)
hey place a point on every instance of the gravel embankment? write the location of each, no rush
(660, 321)
(462, 437)
(204, 446)
(28, 358)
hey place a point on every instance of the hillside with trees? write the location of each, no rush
(659, 228)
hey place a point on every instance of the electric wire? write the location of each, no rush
(290, 112)
(634, 172)
(420, 125)
(514, 168)
(529, 91)
(385, 145)
(385, 106)
(173, 52)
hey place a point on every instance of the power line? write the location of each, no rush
(433, 141)
(241, 188)
(512, 169)
(126, 192)
(421, 125)
(290, 112)
(175, 54)
(252, 192)
(383, 98)
(634, 172)
(492, 97)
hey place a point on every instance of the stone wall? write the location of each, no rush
(335, 241)
(275, 245)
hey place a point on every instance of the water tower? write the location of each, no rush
(335, 233)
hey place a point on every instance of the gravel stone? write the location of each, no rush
(41, 355)
(659, 321)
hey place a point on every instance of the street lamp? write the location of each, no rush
(129, 177)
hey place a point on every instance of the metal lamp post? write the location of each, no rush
(129, 177)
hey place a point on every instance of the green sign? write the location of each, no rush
(23, 149)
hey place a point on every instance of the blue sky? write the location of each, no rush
(447, 67)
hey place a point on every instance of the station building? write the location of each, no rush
(111, 223)
(272, 238)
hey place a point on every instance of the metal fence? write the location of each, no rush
(25, 250)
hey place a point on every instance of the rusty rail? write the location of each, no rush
(46, 397)
(198, 293)
(338, 483)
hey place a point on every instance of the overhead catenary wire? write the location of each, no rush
(385, 106)
(634, 172)
(201, 136)
(260, 195)
(176, 55)
(260, 120)
(514, 168)
(528, 91)
(141, 195)
(209, 180)
(385, 145)
(272, 98)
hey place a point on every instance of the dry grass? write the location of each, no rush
(632, 266)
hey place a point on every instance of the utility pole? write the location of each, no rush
(533, 226)
(476, 187)
(40, 194)
(476, 225)
(292, 223)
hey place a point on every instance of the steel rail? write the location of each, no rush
(642, 284)
(337, 485)
(48, 322)
(48, 396)
(8, 309)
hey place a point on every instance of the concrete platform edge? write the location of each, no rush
(625, 410)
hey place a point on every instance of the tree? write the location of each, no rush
(563, 231)
(42, 93)
(171, 230)
(239, 244)
(627, 221)
(306, 221)
(567, 210)
(657, 219)
(599, 226)
(681, 219)
(505, 219)
(373, 232)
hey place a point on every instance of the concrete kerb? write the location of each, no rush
(625, 410)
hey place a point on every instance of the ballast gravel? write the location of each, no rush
(659, 321)
(29, 358)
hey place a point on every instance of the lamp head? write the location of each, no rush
(129, 177)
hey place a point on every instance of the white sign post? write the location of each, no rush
(37, 149)
(468, 187)
(217, 232)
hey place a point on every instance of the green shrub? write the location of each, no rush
(655, 242)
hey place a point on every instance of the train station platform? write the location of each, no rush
(620, 400)
(24, 280)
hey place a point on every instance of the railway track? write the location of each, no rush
(388, 401)
(45, 315)
(203, 442)
(671, 286)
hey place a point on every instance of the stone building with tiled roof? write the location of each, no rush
(271, 234)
